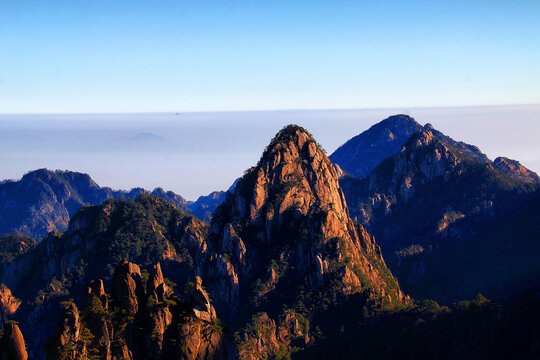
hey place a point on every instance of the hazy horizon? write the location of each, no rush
(194, 154)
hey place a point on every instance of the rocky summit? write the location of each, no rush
(515, 170)
(286, 238)
(291, 206)
(359, 155)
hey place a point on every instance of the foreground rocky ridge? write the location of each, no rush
(144, 319)
(146, 230)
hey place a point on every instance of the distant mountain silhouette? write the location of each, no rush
(205, 206)
(44, 200)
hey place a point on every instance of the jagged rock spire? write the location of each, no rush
(201, 302)
(127, 286)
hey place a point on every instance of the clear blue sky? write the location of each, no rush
(197, 55)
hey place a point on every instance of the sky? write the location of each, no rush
(234, 55)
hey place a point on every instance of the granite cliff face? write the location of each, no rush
(143, 320)
(264, 339)
(8, 305)
(285, 238)
(146, 230)
(291, 204)
(12, 345)
(439, 194)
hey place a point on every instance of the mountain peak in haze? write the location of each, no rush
(362, 153)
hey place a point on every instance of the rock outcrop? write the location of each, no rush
(69, 338)
(127, 287)
(156, 287)
(8, 305)
(9, 302)
(141, 322)
(515, 170)
(12, 345)
(201, 303)
(147, 230)
(263, 339)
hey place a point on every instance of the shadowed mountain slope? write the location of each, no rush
(437, 200)
(359, 155)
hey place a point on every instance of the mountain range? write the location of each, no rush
(44, 200)
(282, 246)
(301, 258)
